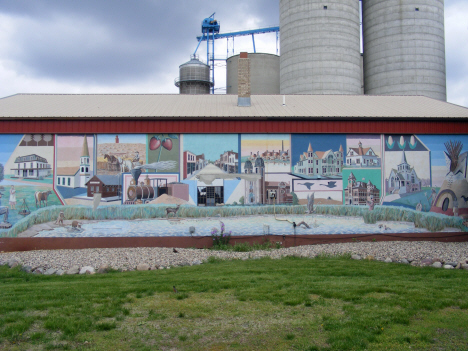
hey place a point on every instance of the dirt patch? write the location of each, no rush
(167, 199)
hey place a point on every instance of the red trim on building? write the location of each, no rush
(442, 126)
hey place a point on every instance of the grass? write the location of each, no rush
(326, 303)
(266, 244)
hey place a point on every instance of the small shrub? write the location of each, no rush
(220, 237)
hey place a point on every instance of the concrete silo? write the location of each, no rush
(404, 47)
(320, 47)
(264, 74)
(194, 77)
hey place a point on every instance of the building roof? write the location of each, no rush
(361, 151)
(106, 179)
(29, 158)
(85, 149)
(102, 106)
(67, 171)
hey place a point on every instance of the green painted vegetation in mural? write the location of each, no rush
(431, 221)
(325, 303)
(26, 195)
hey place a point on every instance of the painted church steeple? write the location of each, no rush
(84, 163)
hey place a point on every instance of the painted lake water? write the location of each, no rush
(249, 225)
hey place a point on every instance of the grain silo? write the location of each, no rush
(320, 47)
(194, 77)
(264, 74)
(404, 47)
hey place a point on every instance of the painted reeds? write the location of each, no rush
(433, 222)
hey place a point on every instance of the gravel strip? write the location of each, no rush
(416, 253)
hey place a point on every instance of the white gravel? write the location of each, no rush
(130, 258)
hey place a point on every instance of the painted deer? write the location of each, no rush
(172, 210)
(41, 197)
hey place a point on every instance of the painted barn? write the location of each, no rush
(106, 185)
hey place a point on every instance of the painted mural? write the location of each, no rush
(407, 172)
(74, 161)
(26, 176)
(249, 184)
(317, 167)
(269, 157)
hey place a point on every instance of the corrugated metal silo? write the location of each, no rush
(320, 47)
(404, 48)
(264, 74)
(194, 77)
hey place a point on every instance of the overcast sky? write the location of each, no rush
(123, 46)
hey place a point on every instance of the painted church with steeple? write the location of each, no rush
(76, 176)
(404, 179)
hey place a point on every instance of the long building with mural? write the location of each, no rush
(209, 156)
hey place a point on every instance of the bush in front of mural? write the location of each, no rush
(220, 237)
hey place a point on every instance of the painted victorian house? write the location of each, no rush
(362, 157)
(358, 193)
(320, 163)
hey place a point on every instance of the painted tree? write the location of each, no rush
(295, 199)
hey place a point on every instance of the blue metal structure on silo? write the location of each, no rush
(210, 32)
(210, 26)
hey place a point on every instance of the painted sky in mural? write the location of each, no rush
(222, 150)
(274, 149)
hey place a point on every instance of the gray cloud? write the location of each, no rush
(137, 46)
(110, 42)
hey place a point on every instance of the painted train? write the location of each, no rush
(146, 191)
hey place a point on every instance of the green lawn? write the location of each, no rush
(289, 304)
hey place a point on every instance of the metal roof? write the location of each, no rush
(114, 106)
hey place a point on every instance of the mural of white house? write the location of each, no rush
(31, 167)
(362, 157)
(404, 179)
(77, 176)
(320, 163)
